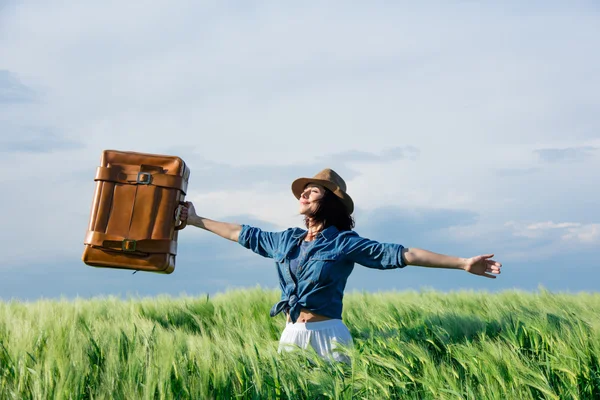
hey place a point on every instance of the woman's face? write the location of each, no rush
(310, 196)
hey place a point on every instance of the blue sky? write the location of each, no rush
(463, 128)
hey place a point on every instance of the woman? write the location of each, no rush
(314, 263)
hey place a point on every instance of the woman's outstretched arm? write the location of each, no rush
(224, 229)
(374, 254)
(479, 265)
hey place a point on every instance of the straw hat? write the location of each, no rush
(331, 180)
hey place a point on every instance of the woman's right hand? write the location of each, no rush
(188, 211)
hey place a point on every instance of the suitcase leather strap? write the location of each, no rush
(141, 178)
(115, 242)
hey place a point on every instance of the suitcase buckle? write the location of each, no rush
(129, 245)
(147, 178)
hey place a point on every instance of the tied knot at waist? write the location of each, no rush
(290, 304)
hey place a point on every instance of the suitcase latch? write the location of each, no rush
(144, 178)
(129, 245)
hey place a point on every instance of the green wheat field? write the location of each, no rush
(409, 345)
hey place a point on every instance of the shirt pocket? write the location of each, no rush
(322, 264)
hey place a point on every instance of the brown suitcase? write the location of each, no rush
(134, 218)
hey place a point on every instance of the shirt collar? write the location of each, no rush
(328, 233)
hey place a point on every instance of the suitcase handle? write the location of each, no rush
(179, 224)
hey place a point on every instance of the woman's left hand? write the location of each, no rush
(483, 265)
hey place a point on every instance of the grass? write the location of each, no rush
(409, 345)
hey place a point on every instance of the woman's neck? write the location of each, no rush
(313, 230)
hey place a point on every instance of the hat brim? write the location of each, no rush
(299, 184)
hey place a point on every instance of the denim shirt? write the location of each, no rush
(323, 271)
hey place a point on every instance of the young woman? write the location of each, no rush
(314, 263)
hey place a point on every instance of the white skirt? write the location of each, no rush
(322, 336)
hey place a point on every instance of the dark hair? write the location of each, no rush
(331, 211)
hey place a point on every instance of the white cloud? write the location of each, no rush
(571, 232)
(551, 225)
(589, 233)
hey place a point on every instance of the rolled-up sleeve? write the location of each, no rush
(262, 243)
(374, 254)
